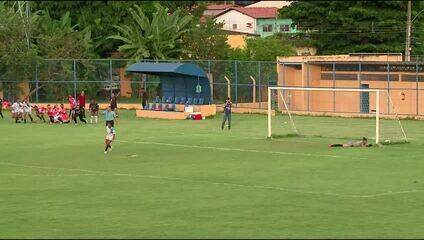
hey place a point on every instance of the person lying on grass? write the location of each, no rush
(362, 143)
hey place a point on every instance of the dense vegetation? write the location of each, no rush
(336, 27)
(133, 29)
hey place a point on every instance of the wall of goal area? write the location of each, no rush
(402, 82)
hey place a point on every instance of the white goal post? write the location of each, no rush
(285, 106)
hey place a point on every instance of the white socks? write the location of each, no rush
(95, 119)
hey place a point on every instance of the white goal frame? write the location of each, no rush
(377, 104)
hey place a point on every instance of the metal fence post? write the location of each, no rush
(259, 84)
(110, 76)
(334, 86)
(75, 78)
(388, 88)
(36, 82)
(360, 84)
(235, 76)
(308, 84)
(416, 86)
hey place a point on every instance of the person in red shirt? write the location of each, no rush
(62, 114)
(56, 112)
(81, 103)
(50, 113)
(39, 112)
(72, 104)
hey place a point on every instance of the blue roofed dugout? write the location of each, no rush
(178, 79)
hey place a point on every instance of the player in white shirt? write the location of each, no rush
(17, 110)
(27, 110)
(110, 136)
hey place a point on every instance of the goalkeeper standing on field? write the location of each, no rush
(227, 114)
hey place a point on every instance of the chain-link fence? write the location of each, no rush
(246, 82)
(403, 83)
(52, 80)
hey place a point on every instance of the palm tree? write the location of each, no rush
(158, 37)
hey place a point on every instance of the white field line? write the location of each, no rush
(50, 168)
(230, 149)
(245, 136)
(48, 175)
(101, 173)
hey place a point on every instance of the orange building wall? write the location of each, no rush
(236, 41)
(125, 83)
(323, 101)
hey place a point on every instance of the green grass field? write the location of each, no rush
(189, 179)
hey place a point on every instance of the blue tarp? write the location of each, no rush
(178, 79)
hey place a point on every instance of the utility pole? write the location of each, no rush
(408, 34)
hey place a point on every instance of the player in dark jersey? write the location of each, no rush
(362, 143)
(1, 107)
(227, 114)
(77, 113)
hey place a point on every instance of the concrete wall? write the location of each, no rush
(342, 58)
(404, 95)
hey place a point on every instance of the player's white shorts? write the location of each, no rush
(109, 137)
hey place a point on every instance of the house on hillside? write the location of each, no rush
(277, 4)
(254, 20)
(214, 9)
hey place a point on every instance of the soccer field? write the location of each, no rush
(190, 179)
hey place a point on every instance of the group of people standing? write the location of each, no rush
(22, 110)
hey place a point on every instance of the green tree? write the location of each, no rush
(99, 16)
(158, 37)
(417, 39)
(17, 57)
(60, 39)
(263, 49)
(337, 27)
(206, 41)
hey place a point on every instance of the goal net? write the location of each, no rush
(348, 114)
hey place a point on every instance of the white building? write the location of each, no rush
(244, 20)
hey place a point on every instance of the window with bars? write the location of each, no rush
(284, 28)
(267, 28)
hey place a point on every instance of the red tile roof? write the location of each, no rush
(255, 12)
(219, 6)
